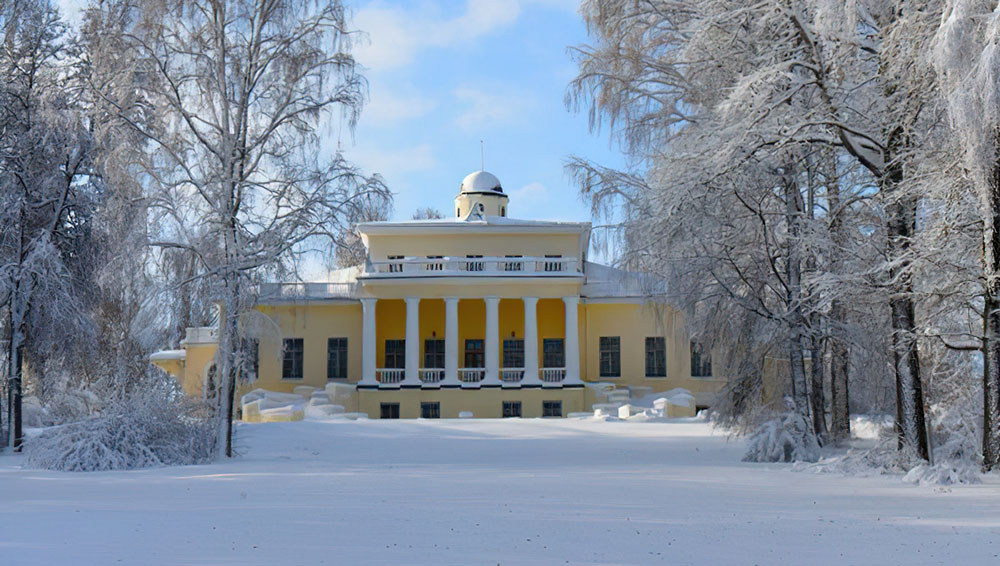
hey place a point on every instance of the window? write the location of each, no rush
(551, 408)
(513, 353)
(434, 354)
(503, 211)
(474, 265)
(474, 354)
(701, 360)
(458, 212)
(336, 358)
(553, 355)
(656, 356)
(291, 363)
(389, 411)
(395, 354)
(551, 265)
(430, 410)
(435, 265)
(513, 263)
(395, 266)
(611, 356)
(511, 409)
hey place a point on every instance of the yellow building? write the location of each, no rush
(479, 313)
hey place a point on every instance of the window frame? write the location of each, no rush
(393, 408)
(434, 411)
(561, 353)
(508, 408)
(513, 349)
(480, 352)
(397, 353)
(288, 365)
(547, 409)
(341, 357)
(435, 354)
(702, 367)
(609, 350)
(658, 357)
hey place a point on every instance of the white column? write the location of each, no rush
(451, 341)
(530, 342)
(572, 341)
(492, 341)
(412, 375)
(368, 342)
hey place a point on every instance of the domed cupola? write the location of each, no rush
(480, 196)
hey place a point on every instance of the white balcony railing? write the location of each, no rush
(480, 266)
(553, 375)
(431, 375)
(302, 291)
(471, 375)
(386, 376)
(511, 375)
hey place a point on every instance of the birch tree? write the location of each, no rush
(238, 177)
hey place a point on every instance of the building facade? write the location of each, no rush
(479, 313)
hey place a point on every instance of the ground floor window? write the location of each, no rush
(474, 357)
(656, 356)
(390, 411)
(336, 358)
(395, 354)
(701, 360)
(513, 353)
(511, 409)
(430, 410)
(611, 356)
(553, 354)
(551, 408)
(434, 353)
(291, 362)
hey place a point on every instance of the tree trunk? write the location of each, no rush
(817, 396)
(796, 321)
(911, 427)
(15, 353)
(840, 413)
(991, 323)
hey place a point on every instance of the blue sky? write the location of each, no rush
(444, 75)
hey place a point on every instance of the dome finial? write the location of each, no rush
(482, 155)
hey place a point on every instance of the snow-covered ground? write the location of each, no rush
(470, 492)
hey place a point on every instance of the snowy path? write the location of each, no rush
(487, 492)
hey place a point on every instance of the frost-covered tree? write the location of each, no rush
(237, 176)
(46, 200)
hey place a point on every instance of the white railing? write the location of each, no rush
(294, 291)
(385, 375)
(431, 375)
(471, 375)
(511, 375)
(461, 265)
(553, 375)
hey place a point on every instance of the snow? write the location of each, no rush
(475, 491)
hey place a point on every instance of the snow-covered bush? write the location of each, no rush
(785, 439)
(150, 428)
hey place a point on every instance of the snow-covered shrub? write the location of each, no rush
(788, 438)
(149, 428)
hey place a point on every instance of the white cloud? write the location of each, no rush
(532, 193)
(482, 108)
(392, 163)
(395, 35)
(388, 106)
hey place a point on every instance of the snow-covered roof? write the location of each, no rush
(165, 355)
(603, 281)
(499, 223)
(481, 182)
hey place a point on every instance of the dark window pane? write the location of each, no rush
(434, 354)
(336, 358)
(513, 353)
(430, 410)
(551, 408)
(474, 354)
(701, 360)
(610, 358)
(395, 354)
(291, 362)
(553, 355)
(511, 409)
(656, 356)
(389, 411)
